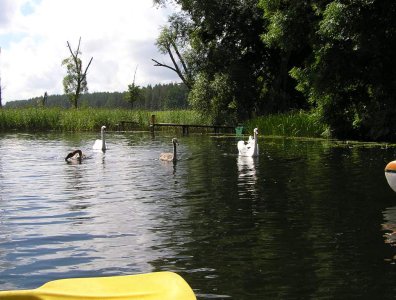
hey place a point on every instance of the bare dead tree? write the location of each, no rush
(76, 81)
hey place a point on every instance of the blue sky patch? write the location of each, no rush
(6, 39)
(28, 7)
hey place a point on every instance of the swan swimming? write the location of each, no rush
(76, 155)
(100, 144)
(170, 156)
(249, 148)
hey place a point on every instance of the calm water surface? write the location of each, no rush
(304, 220)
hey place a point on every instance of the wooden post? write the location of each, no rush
(152, 123)
(185, 129)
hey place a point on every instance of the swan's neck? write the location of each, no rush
(174, 151)
(255, 147)
(103, 139)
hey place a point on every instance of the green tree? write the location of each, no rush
(350, 76)
(290, 31)
(224, 38)
(228, 39)
(214, 98)
(176, 96)
(75, 82)
(42, 100)
(134, 92)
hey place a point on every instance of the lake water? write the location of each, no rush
(305, 220)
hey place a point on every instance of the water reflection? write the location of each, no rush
(389, 228)
(169, 166)
(208, 218)
(247, 177)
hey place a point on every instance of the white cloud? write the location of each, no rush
(119, 34)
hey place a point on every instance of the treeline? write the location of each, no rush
(157, 97)
(335, 58)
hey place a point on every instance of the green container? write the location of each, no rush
(239, 130)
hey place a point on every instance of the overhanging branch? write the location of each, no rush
(158, 64)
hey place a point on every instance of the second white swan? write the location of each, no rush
(100, 144)
(249, 148)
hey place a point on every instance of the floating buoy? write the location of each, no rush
(390, 174)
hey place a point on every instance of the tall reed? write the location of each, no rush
(294, 124)
(87, 119)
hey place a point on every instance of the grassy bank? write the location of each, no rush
(87, 119)
(297, 124)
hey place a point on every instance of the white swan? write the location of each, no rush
(100, 144)
(170, 156)
(75, 156)
(249, 148)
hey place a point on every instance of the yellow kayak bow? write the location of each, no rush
(151, 286)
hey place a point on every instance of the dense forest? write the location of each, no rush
(157, 97)
(336, 59)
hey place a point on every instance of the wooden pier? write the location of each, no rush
(185, 127)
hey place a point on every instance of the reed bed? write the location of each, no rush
(294, 124)
(88, 119)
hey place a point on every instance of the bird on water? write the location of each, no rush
(249, 148)
(75, 156)
(170, 156)
(100, 144)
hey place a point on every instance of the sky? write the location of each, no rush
(120, 35)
